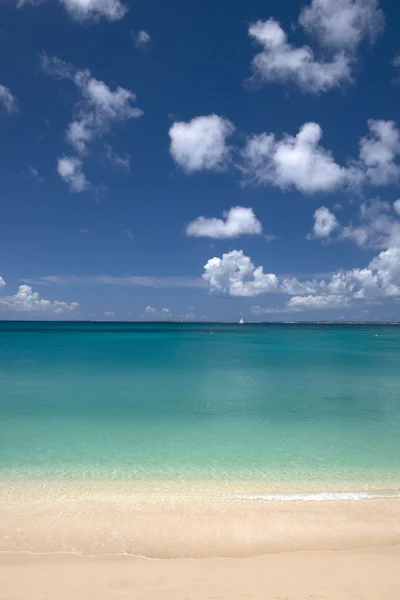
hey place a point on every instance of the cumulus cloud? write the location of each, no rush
(396, 206)
(99, 107)
(294, 161)
(159, 315)
(82, 10)
(88, 10)
(293, 287)
(343, 23)
(380, 279)
(378, 152)
(379, 226)
(8, 101)
(141, 38)
(337, 26)
(282, 62)
(26, 300)
(235, 275)
(200, 144)
(325, 222)
(302, 163)
(70, 170)
(150, 310)
(109, 314)
(238, 221)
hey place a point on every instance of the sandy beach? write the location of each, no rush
(123, 540)
(174, 521)
(371, 574)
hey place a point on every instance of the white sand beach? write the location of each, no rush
(122, 540)
(371, 574)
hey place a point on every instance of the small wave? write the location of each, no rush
(318, 496)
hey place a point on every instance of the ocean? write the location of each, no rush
(284, 404)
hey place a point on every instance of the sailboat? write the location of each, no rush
(241, 322)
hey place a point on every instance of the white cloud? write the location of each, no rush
(28, 300)
(70, 170)
(234, 274)
(301, 162)
(343, 24)
(378, 152)
(294, 287)
(99, 107)
(2, 282)
(150, 310)
(338, 26)
(315, 302)
(109, 314)
(86, 10)
(238, 221)
(396, 206)
(295, 161)
(8, 102)
(282, 62)
(386, 268)
(379, 226)
(325, 222)
(82, 10)
(200, 144)
(141, 38)
(380, 279)
(54, 66)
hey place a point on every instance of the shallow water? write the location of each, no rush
(85, 401)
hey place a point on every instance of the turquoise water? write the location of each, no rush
(199, 402)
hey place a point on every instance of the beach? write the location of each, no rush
(148, 461)
(111, 541)
(370, 574)
(177, 522)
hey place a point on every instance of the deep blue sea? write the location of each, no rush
(168, 402)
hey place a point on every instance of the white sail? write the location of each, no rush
(241, 322)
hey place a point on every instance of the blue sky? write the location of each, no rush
(124, 123)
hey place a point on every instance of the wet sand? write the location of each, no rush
(161, 522)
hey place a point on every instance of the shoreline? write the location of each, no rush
(167, 521)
